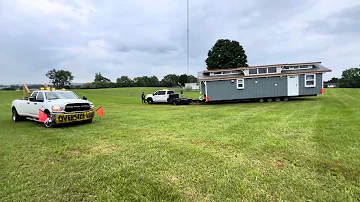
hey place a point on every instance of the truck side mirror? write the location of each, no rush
(31, 99)
(84, 97)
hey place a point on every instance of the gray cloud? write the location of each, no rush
(137, 38)
(344, 22)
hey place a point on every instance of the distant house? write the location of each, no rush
(330, 85)
(192, 86)
(267, 82)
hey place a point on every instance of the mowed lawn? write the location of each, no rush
(302, 150)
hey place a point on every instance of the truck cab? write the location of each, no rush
(160, 96)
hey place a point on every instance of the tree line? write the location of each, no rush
(169, 80)
(350, 78)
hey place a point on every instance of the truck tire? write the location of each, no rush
(150, 101)
(15, 116)
(174, 102)
(49, 123)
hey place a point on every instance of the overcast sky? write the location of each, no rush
(144, 38)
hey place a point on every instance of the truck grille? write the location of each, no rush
(77, 107)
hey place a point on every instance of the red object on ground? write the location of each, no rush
(100, 111)
(207, 98)
(42, 116)
(322, 91)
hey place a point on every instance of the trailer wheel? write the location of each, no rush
(269, 99)
(277, 99)
(261, 100)
(285, 99)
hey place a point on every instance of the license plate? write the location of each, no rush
(66, 118)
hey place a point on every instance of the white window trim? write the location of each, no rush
(299, 67)
(310, 86)
(237, 83)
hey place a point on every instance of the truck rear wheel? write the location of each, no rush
(15, 116)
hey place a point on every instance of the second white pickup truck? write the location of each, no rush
(59, 106)
(167, 96)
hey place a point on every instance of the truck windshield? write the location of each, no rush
(61, 95)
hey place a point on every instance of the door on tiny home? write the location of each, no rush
(293, 85)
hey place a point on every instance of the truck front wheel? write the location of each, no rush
(49, 122)
(150, 101)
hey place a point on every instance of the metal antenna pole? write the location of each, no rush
(187, 37)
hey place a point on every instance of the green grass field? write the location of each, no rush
(301, 150)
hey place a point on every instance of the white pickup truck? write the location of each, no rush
(166, 96)
(160, 96)
(60, 106)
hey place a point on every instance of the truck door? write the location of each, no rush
(36, 103)
(161, 96)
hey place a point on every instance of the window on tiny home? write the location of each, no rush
(310, 80)
(272, 70)
(252, 71)
(262, 70)
(240, 83)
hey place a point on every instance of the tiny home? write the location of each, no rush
(263, 83)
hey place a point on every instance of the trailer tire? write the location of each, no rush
(261, 100)
(277, 99)
(269, 99)
(285, 99)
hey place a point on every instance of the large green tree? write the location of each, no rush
(170, 80)
(187, 79)
(350, 78)
(100, 78)
(124, 81)
(183, 79)
(226, 54)
(60, 78)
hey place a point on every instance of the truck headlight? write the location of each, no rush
(56, 108)
(91, 106)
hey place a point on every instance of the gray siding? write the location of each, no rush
(265, 87)
(313, 90)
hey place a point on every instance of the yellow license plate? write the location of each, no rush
(66, 118)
